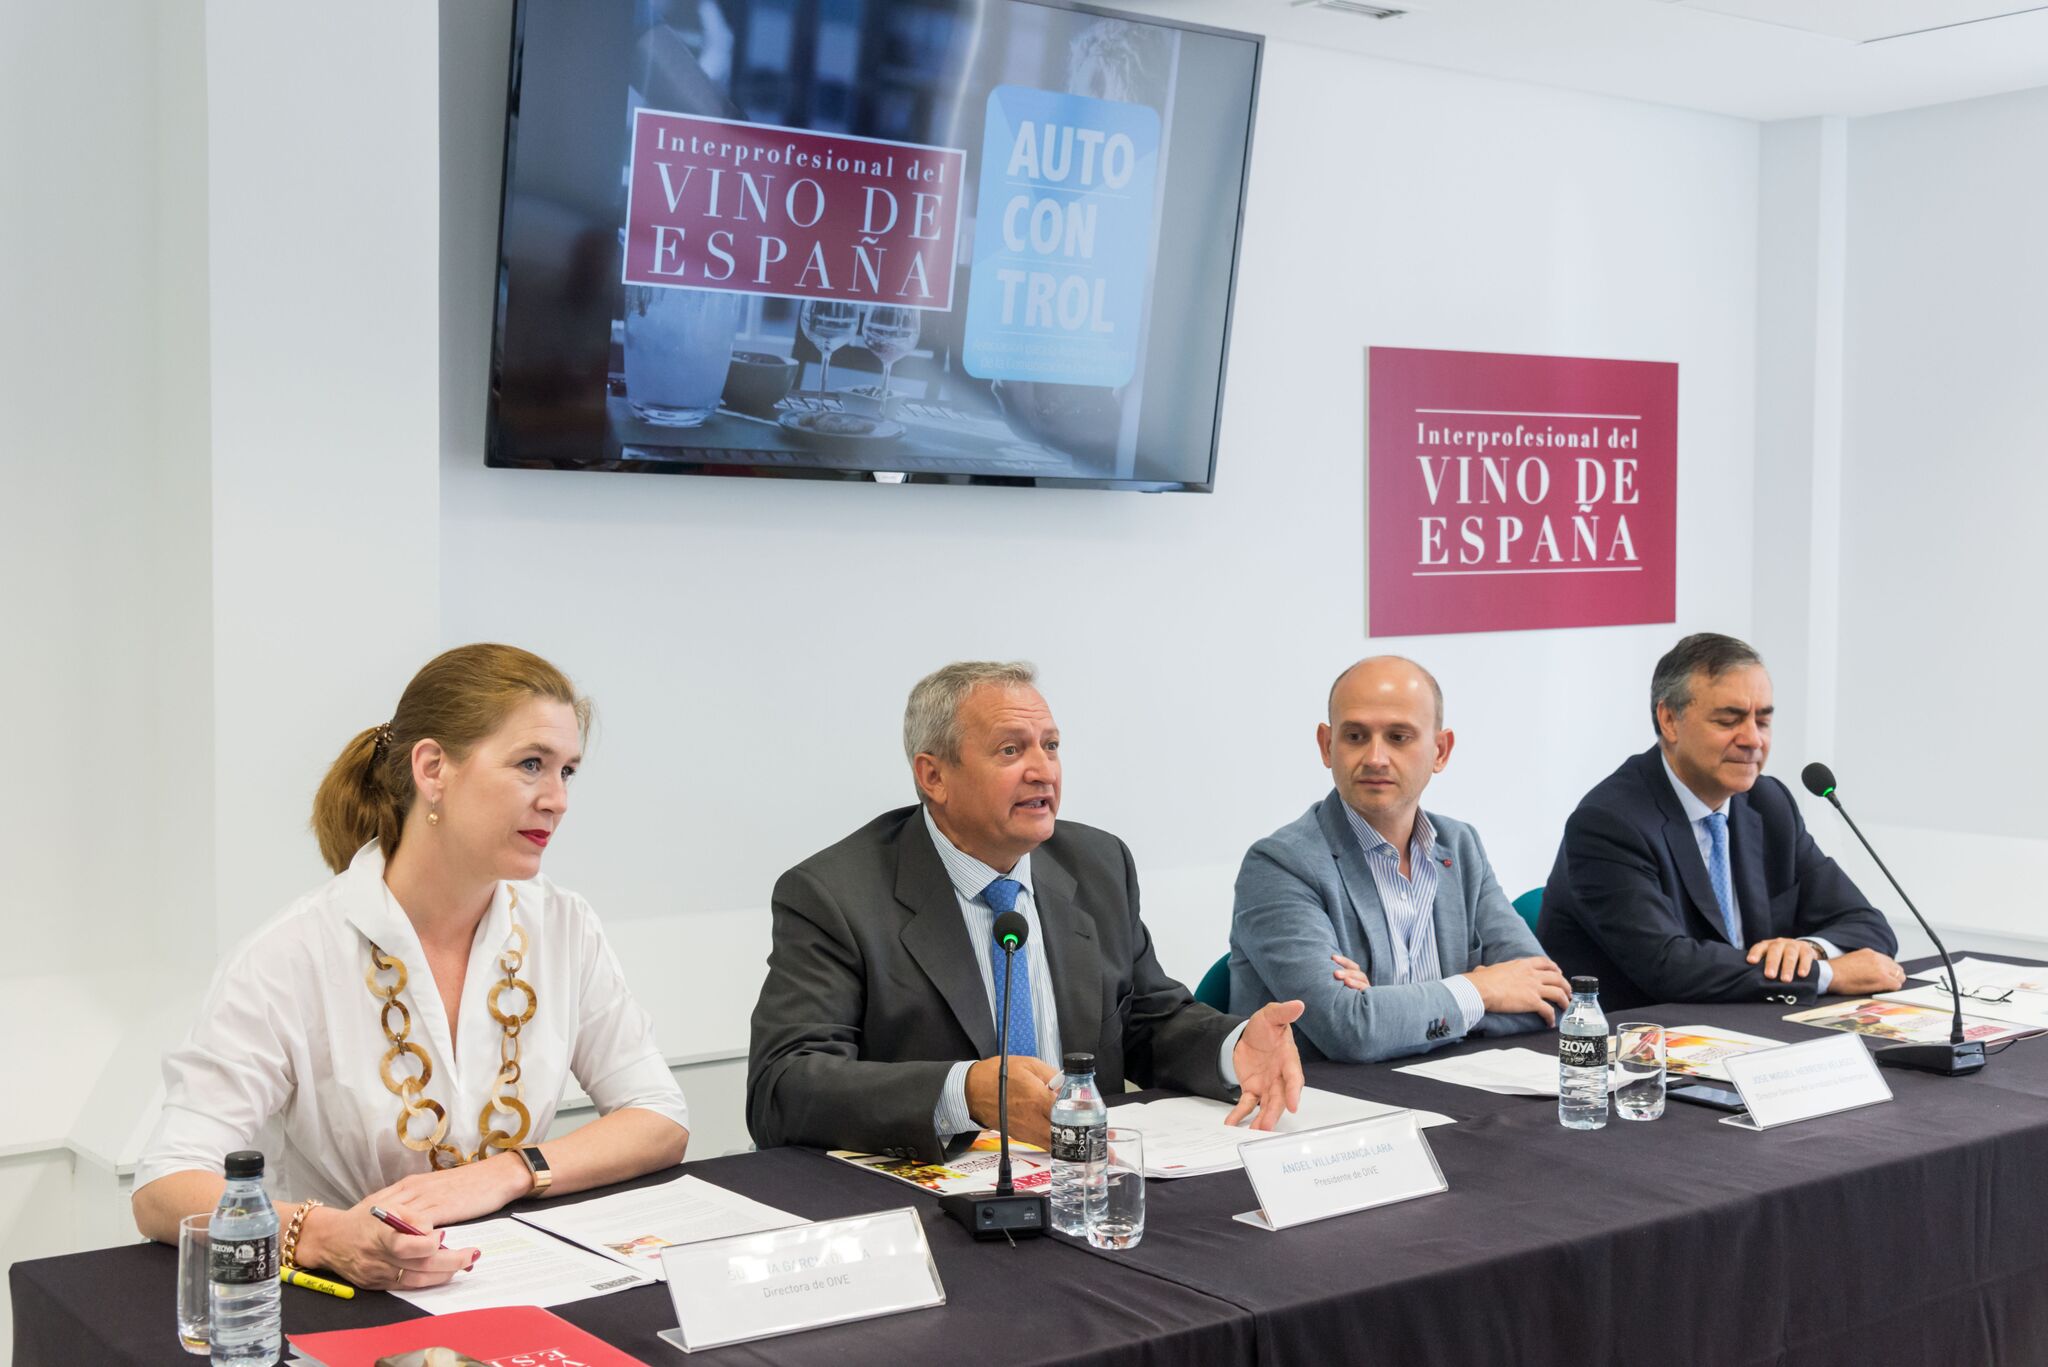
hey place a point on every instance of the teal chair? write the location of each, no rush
(1215, 986)
(1529, 905)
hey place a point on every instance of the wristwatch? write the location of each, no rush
(538, 1166)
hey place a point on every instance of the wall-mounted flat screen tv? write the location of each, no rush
(963, 241)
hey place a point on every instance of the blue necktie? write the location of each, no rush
(1717, 874)
(1001, 896)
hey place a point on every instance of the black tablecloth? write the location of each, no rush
(1032, 1302)
(1910, 1233)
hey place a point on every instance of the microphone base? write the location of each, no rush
(1952, 1060)
(1015, 1216)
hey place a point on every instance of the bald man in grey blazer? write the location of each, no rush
(1384, 919)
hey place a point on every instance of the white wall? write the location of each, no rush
(1944, 567)
(750, 644)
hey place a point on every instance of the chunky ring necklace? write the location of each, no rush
(494, 1133)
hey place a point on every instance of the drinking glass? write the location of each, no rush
(193, 1315)
(830, 324)
(1122, 1223)
(1639, 1059)
(678, 348)
(890, 333)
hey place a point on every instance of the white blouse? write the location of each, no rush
(285, 1054)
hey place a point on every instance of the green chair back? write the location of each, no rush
(1529, 905)
(1214, 989)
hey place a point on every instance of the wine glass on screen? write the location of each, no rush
(889, 333)
(830, 324)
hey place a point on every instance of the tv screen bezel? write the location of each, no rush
(749, 469)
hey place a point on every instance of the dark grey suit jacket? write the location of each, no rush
(873, 992)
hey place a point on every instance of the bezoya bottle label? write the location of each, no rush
(1582, 1051)
(241, 1262)
(1070, 1143)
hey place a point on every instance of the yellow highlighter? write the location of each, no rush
(296, 1277)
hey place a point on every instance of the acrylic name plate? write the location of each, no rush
(783, 1281)
(1801, 1081)
(1339, 1169)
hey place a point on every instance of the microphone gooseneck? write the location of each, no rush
(1957, 1056)
(1011, 930)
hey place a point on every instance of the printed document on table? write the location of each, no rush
(521, 1266)
(1996, 977)
(1504, 1072)
(1185, 1135)
(634, 1226)
(2005, 1005)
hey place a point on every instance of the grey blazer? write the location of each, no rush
(1305, 892)
(873, 991)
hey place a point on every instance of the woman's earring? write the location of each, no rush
(433, 817)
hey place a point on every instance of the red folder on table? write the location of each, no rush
(517, 1336)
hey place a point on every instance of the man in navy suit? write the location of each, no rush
(1426, 948)
(1686, 875)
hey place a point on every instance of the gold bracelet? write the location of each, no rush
(288, 1254)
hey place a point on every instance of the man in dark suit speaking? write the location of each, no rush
(1686, 875)
(876, 1027)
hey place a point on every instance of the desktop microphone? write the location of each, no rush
(1003, 1214)
(1958, 1056)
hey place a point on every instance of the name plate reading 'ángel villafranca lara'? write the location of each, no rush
(1316, 1174)
(782, 1281)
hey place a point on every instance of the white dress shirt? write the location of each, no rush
(285, 1053)
(1409, 907)
(1696, 813)
(969, 877)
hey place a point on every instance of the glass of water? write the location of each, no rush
(1122, 1222)
(678, 348)
(1639, 1069)
(193, 1247)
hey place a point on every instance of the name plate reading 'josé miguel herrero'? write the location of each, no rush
(1801, 1081)
(782, 1281)
(1339, 1169)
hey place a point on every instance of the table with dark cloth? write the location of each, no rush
(1032, 1302)
(1914, 1232)
(1907, 1233)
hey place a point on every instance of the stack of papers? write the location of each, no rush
(2016, 994)
(1504, 1072)
(1185, 1135)
(973, 1172)
(1905, 1022)
(593, 1248)
(633, 1227)
(1698, 1050)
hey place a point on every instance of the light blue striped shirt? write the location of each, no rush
(1410, 906)
(969, 876)
(1696, 814)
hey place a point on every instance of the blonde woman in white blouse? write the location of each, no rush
(402, 1035)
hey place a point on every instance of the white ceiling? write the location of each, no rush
(1757, 59)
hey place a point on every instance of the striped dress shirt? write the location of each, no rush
(1410, 906)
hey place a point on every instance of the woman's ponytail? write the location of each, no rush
(355, 803)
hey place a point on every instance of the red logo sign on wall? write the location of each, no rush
(1505, 493)
(713, 204)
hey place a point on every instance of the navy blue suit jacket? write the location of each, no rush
(1628, 900)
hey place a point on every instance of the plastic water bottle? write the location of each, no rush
(1080, 1148)
(1582, 1059)
(245, 1324)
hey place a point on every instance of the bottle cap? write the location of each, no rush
(1586, 986)
(244, 1163)
(1077, 1063)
